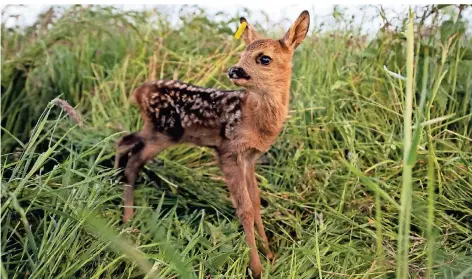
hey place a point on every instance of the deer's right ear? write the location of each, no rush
(249, 34)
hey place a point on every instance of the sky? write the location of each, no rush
(28, 14)
(278, 13)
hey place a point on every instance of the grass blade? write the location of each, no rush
(406, 193)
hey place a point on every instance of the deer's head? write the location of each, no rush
(268, 62)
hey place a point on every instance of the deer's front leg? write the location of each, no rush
(254, 193)
(233, 168)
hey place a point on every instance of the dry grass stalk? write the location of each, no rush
(73, 114)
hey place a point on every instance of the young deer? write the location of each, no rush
(239, 124)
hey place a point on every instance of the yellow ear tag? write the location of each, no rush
(240, 30)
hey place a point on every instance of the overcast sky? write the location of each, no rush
(321, 12)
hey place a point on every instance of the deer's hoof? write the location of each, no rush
(255, 273)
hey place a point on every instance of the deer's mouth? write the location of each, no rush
(240, 78)
(236, 77)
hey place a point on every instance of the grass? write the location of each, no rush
(370, 178)
(408, 150)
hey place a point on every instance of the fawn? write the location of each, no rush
(239, 124)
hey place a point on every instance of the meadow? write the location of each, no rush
(370, 178)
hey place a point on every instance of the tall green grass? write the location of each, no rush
(370, 178)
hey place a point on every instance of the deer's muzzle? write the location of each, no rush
(237, 73)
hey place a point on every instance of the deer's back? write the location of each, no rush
(173, 107)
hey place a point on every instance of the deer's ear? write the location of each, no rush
(249, 34)
(297, 32)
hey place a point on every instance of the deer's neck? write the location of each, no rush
(268, 108)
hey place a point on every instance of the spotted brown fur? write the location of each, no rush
(173, 106)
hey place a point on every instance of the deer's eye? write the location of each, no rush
(264, 60)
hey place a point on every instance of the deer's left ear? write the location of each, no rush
(297, 32)
(249, 34)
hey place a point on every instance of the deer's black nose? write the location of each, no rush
(237, 73)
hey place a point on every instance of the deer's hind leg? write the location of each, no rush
(133, 151)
